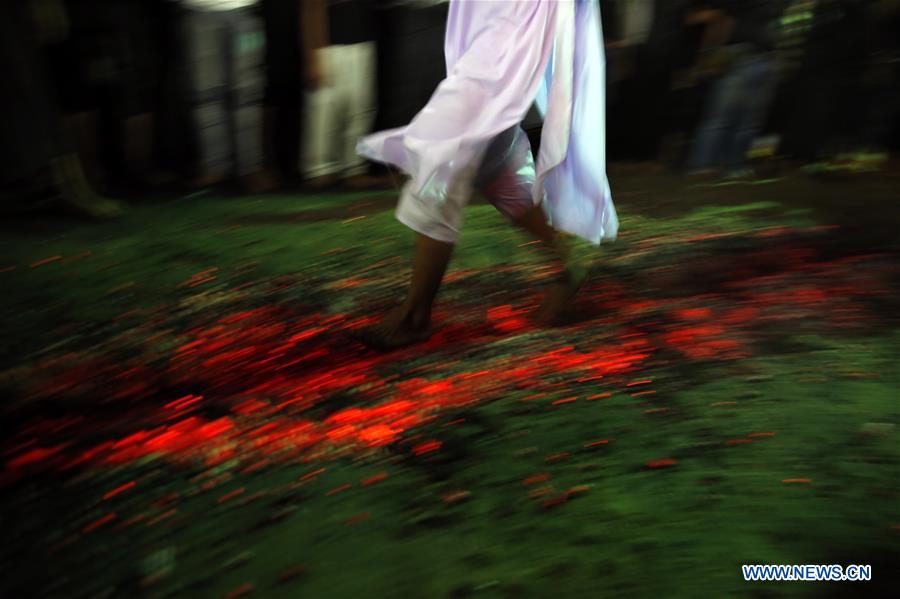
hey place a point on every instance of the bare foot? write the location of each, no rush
(398, 329)
(560, 295)
(77, 193)
(93, 205)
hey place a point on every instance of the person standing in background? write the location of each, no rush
(37, 160)
(651, 37)
(225, 48)
(740, 98)
(107, 72)
(339, 62)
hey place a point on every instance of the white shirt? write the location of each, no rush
(218, 4)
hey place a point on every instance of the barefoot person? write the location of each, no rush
(502, 57)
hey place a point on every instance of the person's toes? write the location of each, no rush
(386, 340)
(560, 296)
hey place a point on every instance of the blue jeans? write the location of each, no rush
(734, 114)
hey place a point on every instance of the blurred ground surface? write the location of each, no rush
(185, 415)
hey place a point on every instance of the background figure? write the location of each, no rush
(29, 128)
(739, 100)
(410, 58)
(644, 100)
(284, 89)
(882, 76)
(824, 113)
(340, 66)
(627, 25)
(107, 73)
(226, 47)
(35, 159)
(175, 151)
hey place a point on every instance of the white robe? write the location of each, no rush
(502, 56)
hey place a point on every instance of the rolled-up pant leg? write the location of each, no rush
(505, 176)
(507, 182)
(440, 221)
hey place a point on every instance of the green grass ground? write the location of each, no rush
(724, 393)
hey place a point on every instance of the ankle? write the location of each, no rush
(415, 315)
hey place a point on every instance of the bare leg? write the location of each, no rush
(535, 222)
(410, 322)
(571, 278)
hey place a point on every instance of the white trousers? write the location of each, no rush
(339, 112)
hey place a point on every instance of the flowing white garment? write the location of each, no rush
(503, 56)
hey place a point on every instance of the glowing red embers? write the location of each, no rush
(358, 518)
(596, 444)
(456, 496)
(427, 447)
(45, 261)
(694, 314)
(374, 479)
(33, 456)
(661, 463)
(557, 457)
(338, 489)
(536, 478)
(578, 490)
(508, 320)
(183, 403)
(566, 400)
(241, 591)
(231, 495)
(119, 490)
(98, 523)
